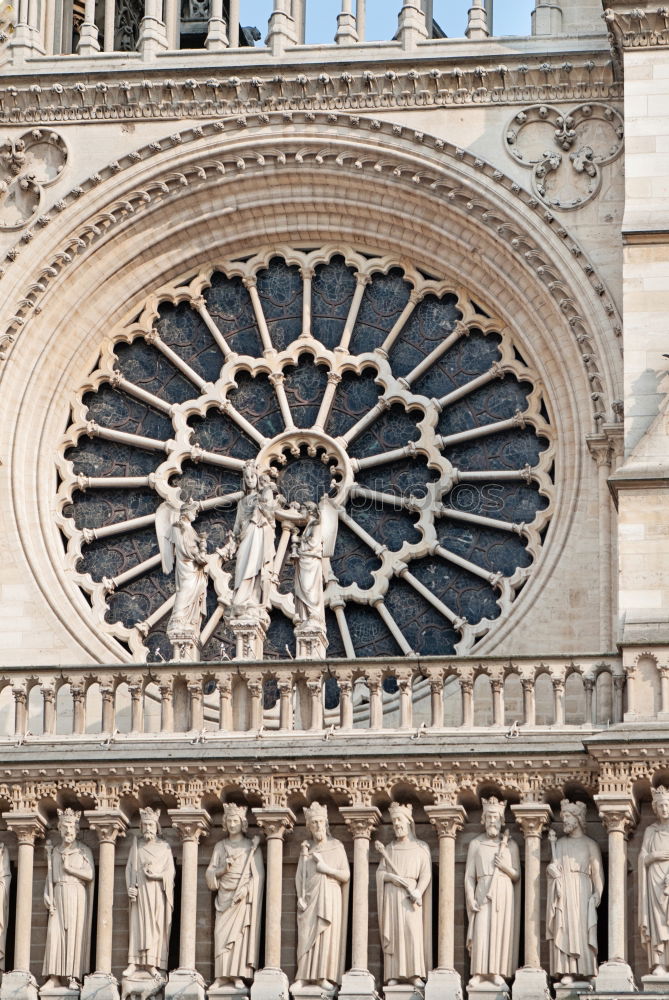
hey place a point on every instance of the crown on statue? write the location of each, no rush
(65, 814)
(401, 809)
(493, 807)
(659, 793)
(232, 809)
(150, 814)
(315, 811)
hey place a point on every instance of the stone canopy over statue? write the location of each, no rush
(258, 562)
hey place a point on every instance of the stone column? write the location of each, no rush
(443, 983)
(618, 814)
(271, 983)
(546, 18)
(88, 35)
(217, 38)
(233, 24)
(477, 21)
(20, 984)
(411, 27)
(281, 31)
(108, 824)
(531, 980)
(152, 32)
(358, 982)
(346, 26)
(185, 983)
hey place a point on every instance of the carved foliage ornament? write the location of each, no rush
(566, 151)
(27, 164)
(389, 391)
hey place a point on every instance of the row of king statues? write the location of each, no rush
(258, 563)
(236, 874)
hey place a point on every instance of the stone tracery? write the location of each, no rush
(331, 371)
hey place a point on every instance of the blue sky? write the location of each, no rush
(512, 17)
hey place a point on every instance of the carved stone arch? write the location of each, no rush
(425, 227)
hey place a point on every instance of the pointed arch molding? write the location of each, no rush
(217, 191)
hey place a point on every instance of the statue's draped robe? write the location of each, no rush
(69, 890)
(254, 526)
(237, 926)
(5, 881)
(151, 912)
(492, 934)
(190, 577)
(571, 911)
(401, 924)
(654, 894)
(309, 575)
(321, 928)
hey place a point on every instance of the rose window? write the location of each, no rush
(385, 388)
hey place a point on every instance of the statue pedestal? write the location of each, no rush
(443, 984)
(142, 986)
(184, 984)
(18, 986)
(59, 993)
(572, 991)
(358, 984)
(311, 642)
(530, 984)
(100, 986)
(488, 991)
(270, 984)
(656, 984)
(228, 992)
(249, 636)
(311, 991)
(614, 977)
(185, 644)
(403, 991)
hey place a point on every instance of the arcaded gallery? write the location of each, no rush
(334, 499)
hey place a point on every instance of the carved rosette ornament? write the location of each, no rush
(566, 151)
(373, 432)
(28, 164)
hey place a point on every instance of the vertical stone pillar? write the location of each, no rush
(346, 26)
(618, 814)
(107, 697)
(20, 984)
(467, 691)
(477, 20)
(109, 824)
(529, 701)
(217, 38)
(48, 709)
(411, 24)
(20, 694)
(185, 983)
(358, 982)
(271, 983)
(443, 983)
(88, 35)
(281, 31)
(589, 688)
(110, 20)
(233, 25)
(546, 18)
(152, 31)
(531, 981)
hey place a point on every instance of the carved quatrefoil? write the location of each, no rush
(566, 152)
(27, 165)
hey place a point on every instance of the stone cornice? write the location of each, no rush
(637, 27)
(147, 93)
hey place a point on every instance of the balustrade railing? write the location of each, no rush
(151, 27)
(364, 695)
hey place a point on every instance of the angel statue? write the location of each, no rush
(311, 553)
(185, 552)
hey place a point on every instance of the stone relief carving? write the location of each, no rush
(638, 28)
(236, 874)
(492, 894)
(516, 81)
(68, 896)
(575, 885)
(149, 877)
(321, 881)
(402, 880)
(653, 883)
(28, 164)
(566, 151)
